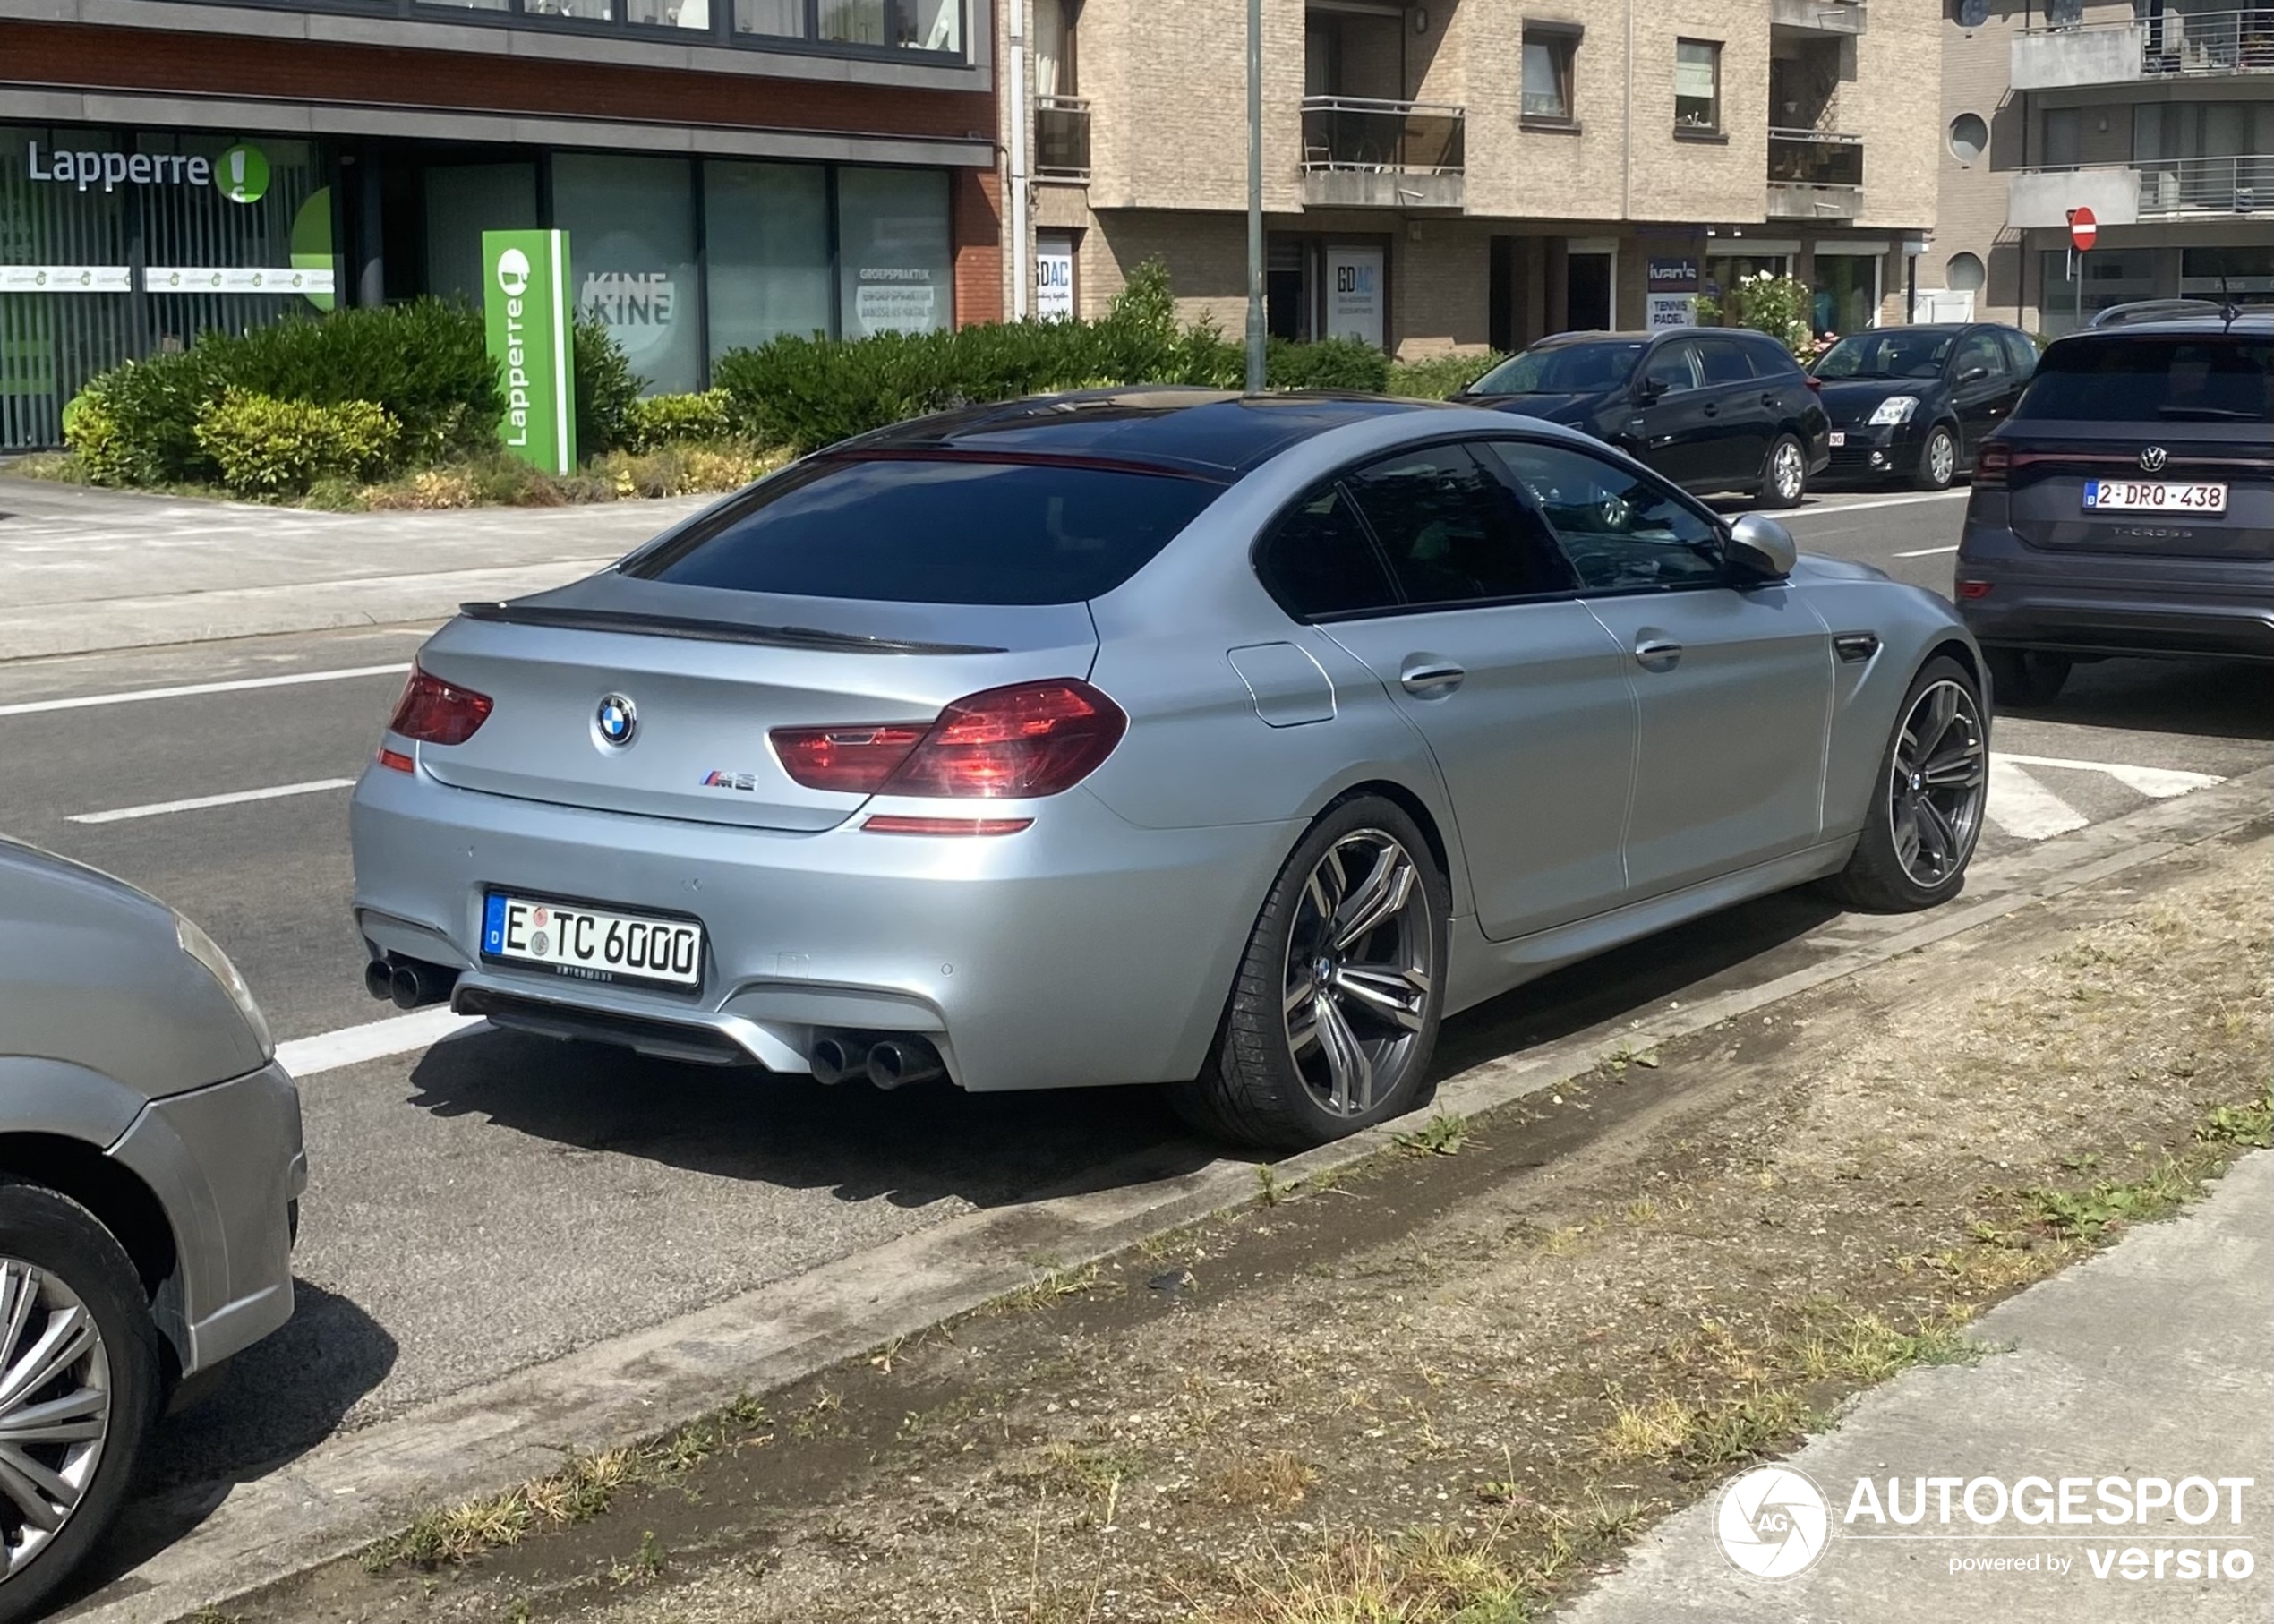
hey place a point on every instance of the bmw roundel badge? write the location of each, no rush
(616, 721)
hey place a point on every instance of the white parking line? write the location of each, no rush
(199, 803)
(2024, 807)
(1929, 552)
(306, 1058)
(1868, 503)
(2158, 783)
(134, 695)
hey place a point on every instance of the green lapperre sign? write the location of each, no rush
(524, 280)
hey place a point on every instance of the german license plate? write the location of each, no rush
(592, 943)
(1839, 439)
(2154, 496)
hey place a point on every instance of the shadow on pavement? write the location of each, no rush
(2204, 698)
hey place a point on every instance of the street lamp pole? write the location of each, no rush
(1255, 333)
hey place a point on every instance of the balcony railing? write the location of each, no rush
(2122, 50)
(2208, 42)
(1358, 152)
(2172, 187)
(1061, 137)
(1808, 158)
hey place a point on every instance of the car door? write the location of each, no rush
(1983, 387)
(1732, 686)
(1669, 427)
(1519, 691)
(1740, 410)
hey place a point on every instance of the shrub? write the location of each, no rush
(607, 389)
(267, 447)
(1439, 377)
(673, 420)
(1331, 363)
(136, 424)
(1779, 306)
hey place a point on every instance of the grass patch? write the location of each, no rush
(1722, 1433)
(2110, 1204)
(1867, 1350)
(1272, 1481)
(1443, 1134)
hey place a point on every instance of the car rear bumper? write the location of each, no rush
(2098, 602)
(1084, 950)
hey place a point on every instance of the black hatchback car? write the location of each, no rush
(1714, 409)
(2126, 507)
(1914, 403)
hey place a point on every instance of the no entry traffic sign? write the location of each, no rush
(2084, 229)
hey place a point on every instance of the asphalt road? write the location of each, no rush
(494, 1201)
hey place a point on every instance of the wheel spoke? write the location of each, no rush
(1352, 1073)
(19, 1291)
(1936, 836)
(30, 1500)
(1399, 995)
(78, 1417)
(1960, 768)
(70, 1333)
(1906, 835)
(1382, 893)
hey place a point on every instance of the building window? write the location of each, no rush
(934, 27)
(1846, 293)
(2063, 138)
(1968, 138)
(1547, 76)
(631, 249)
(1965, 273)
(896, 270)
(919, 25)
(778, 19)
(2111, 275)
(766, 253)
(1698, 86)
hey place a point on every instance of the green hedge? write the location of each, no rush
(266, 447)
(1441, 377)
(1331, 363)
(662, 421)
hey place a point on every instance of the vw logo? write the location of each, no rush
(2152, 459)
(616, 721)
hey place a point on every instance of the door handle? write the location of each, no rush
(1656, 653)
(1432, 682)
(1768, 400)
(1711, 410)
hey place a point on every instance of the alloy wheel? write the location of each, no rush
(1942, 459)
(54, 1408)
(1940, 775)
(1358, 971)
(1789, 473)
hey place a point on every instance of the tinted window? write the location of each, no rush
(2137, 379)
(1452, 532)
(1771, 359)
(1674, 368)
(1567, 368)
(1980, 350)
(936, 532)
(1622, 531)
(1894, 352)
(2021, 354)
(1726, 360)
(1318, 561)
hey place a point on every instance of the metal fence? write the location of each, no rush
(1354, 132)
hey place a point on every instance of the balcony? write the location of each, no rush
(1361, 153)
(1061, 137)
(2041, 199)
(2185, 44)
(1816, 18)
(1815, 176)
(2206, 188)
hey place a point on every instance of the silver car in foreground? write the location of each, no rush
(150, 1168)
(1222, 742)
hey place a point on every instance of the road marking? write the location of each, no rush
(374, 1040)
(199, 803)
(2160, 783)
(1867, 505)
(2024, 807)
(1929, 552)
(135, 696)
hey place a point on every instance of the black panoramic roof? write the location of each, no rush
(1219, 433)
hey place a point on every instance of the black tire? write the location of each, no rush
(1878, 877)
(1780, 486)
(2025, 676)
(1256, 1089)
(1938, 460)
(65, 1243)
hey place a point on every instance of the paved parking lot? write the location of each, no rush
(443, 1171)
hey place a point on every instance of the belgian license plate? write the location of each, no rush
(1839, 439)
(2154, 496)
(596, 944)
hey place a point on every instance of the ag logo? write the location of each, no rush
(1773, 1523)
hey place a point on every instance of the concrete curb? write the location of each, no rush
(355, 1487)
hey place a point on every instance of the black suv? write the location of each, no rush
(1713, 409)
(2126, 507)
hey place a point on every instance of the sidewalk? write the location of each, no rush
(90, 569)
(2149, 1361)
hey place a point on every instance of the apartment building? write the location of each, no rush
(2157, 114)
(727, 170)
(1454, 174)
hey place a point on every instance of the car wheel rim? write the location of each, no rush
(1941, 772)
(54, 1408)
(1359, 973)
(1789, 472)
(1942, 460)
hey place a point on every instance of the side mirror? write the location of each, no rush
(1974, 374)
(1760, 549)
(1649, 391)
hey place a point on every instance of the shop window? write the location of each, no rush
(2111, 275)
(896, 268)
(766, 229)
(631, 252)
(2243, 272)
(462, 200)
(1697, 87)
(1847, 293)
(1547, 76)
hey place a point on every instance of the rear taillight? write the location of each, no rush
(435, 712)
(1991, 467)
(1973, 589)
(1015, 743)
(1814, 382)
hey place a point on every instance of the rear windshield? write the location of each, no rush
(2154, 380)
(944, 531)
(1568, 369)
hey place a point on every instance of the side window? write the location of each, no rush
(1673, 369)
(2023, 355)
(1453, 532)
(1621, 530)
(1318, 561)
(1726, 360)
(1981, 350)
